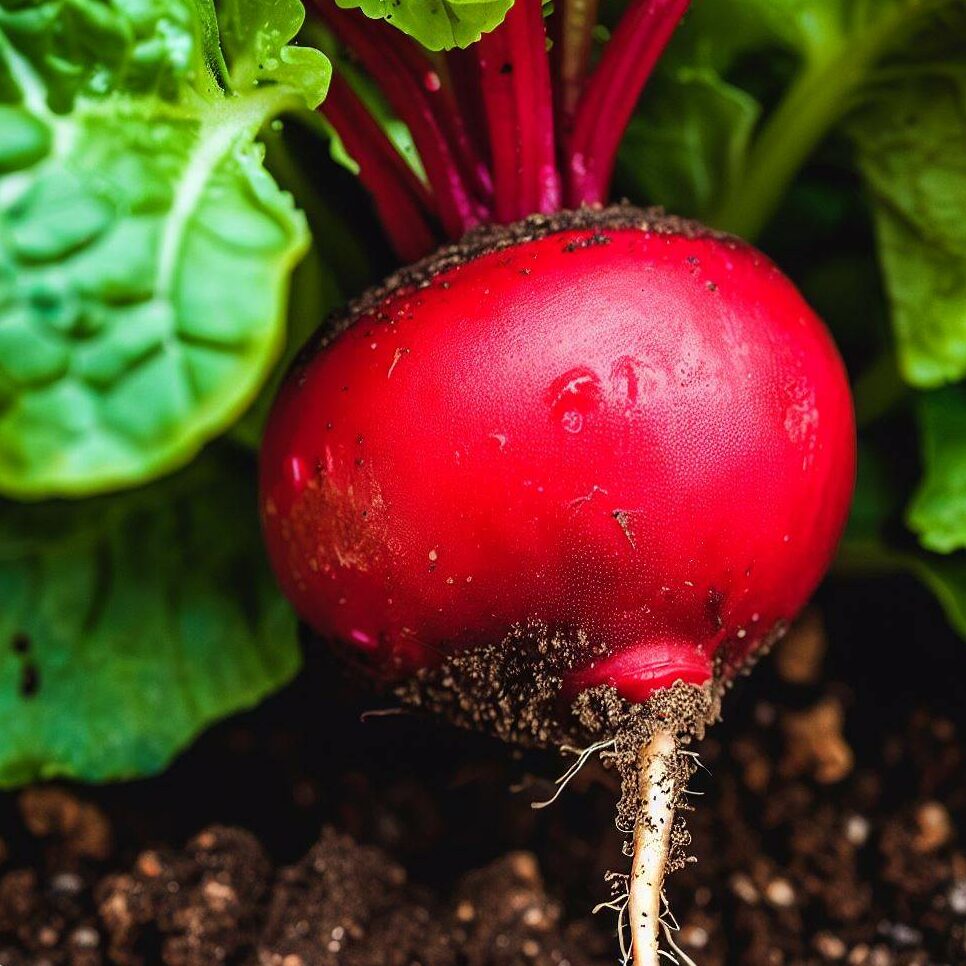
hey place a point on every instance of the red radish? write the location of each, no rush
(565, 478)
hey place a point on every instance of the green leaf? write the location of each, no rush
(809, 61)
(911, 143)
(946, 579)
(129, 623)
(870, 545)
(255, 36)
(691, 143)
(145, 252)
(436, 24)
(937, 512)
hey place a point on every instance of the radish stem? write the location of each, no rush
(573, 28)
(412, 87)
(402, 202)
(611, 95)
(515, 78)
(652, 842)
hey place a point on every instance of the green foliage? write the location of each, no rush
(255, 39)
(129, 623)
(910, 142)
(938, 510)
(691, 147)
(145, 261)
(144, 250)
(871, 547)
(437, 24)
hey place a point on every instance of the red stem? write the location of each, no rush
(464, 81)
(411, 86)
(515, 78)
(402, 201)
(612, 93)
(573, 25)
(449, 117)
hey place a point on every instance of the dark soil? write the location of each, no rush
(828, 829)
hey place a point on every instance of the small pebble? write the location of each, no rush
(206, 840)
(84, 937)
(880, 956)
(218, 896)
(857, 830)
(744, 889)
(900, 934)
(694, 937)
(149, 865)
(935, 827)
(957, 897)
(533, 917)
(66, 883)
(829, 946)
(779, 893)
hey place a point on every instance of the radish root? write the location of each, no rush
(657, 771)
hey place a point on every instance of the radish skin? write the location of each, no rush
(635, 431)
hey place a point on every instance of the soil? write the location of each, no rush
(826, 828)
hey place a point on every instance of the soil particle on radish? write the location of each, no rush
(510, 689)
(489, 239)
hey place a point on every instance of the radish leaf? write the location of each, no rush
(938, 509)
(692, 141)
(131, 622)
(912, 150)
(144, 250)
(437, 24)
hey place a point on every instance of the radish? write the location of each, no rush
(565, 478)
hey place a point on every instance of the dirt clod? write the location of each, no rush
(815, 743)
(345, 905)
(81, 828)
(198, 906)
(513, 920)
(934, 827)
(798, 658)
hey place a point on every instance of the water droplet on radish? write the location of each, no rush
(297, 470)
(573, 397)
(362, 638)
(572, 421)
